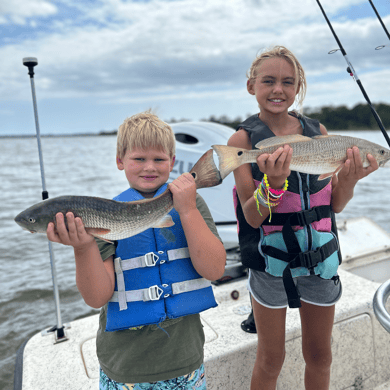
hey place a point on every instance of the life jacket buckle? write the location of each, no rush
(307, 217)
(155, 293)
(310, 259)
(150, 259)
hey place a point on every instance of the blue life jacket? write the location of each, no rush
(154, 276)
(301, 238)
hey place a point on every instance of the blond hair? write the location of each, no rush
(282, 52)
(145, 130)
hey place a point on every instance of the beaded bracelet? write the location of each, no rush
(272, 196)
(276, 193)
(261, 199)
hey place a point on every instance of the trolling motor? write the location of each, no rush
(59, 329)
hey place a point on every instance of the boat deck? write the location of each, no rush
(360, 345)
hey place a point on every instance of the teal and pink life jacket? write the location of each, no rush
(301, 237)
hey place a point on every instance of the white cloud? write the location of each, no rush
(17, 11)
(120, 50)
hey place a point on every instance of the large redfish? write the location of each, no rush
(112, 220)
(320, 155)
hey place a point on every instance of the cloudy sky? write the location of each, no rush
(100, 61)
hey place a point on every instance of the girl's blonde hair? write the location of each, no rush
(145, 130)
(282, 52)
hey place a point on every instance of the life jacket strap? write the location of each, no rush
(308, 259)
(300, 218)
(148, 260)
(154, 293)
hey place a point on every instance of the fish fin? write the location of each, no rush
(330, 174)
(325, 176)
(110, 242)
(325, 136)
(165, 221)
(281, 141)
(99, 233)
(229, 158)
(205, 172)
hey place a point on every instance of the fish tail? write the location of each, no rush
(229, 158)
(205, 172)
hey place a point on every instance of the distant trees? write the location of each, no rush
(333, 118)
(357, 118)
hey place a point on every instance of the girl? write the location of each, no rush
(288, 234)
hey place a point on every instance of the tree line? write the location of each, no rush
(333, 118)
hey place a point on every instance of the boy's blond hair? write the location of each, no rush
(282, 52)
(145, 130)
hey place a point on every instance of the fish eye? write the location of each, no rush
(382, 152)
(31, 220)
(240, 153)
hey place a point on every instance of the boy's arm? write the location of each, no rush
(95, 279)
(344, 183)
(207, 252)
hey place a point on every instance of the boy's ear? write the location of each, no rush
(172, 163)
(119, 163)
(249, 87)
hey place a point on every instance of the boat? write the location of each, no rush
(360, 339)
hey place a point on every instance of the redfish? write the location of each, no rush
(111, 220)
(321, 155)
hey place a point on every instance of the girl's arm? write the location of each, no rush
(95, 279)
(207, 252)
(275, 165)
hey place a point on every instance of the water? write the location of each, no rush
(84, 166)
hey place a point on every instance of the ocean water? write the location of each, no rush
(84, 166)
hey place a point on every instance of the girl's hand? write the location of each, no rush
(353, 169)
(184, 193)
(276, 166)
(75, 235)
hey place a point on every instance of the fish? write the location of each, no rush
(322, 155)
(112, 220)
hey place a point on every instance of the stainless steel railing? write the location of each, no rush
(379, 301)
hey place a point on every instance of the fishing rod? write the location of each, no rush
(381, 22)
(352, 72)
(58, 330)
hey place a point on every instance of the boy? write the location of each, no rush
(156, 341)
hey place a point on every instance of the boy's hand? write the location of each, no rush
(75, 235)
(184, 193)
(276, 166)
(353, 169)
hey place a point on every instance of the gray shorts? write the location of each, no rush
(269, 290)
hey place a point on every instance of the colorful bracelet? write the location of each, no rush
(263, 200)
(268, 197)
(277, 193)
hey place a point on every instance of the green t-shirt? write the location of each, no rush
(154, 352)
